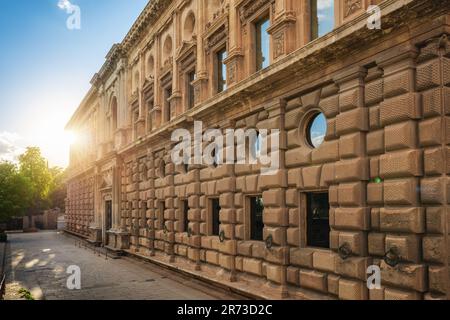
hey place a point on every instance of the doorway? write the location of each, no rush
(108, 215)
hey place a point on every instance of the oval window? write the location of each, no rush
(316, 130)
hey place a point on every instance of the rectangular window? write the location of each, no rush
(168, 107)
(190, 87)
(150, 106)
(256, 218)
(215, 216)
(262, 43)
(185, 215)
(221, 71)
(318, 221)
(322, 18)
(162, 209)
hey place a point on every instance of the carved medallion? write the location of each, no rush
(351, 6)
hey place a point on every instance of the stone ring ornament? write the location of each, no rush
(165, 229)
(345, 251)
(392, 257)
(269, 241)
(222, 236)
(189, 232)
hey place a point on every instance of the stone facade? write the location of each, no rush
(384, 162)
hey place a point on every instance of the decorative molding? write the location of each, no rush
(351, 6)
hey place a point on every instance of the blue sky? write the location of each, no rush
(45, 68)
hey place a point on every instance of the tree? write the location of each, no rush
(15, 192)
(58, 188)
(34, 167)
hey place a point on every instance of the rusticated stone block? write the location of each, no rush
(352, 121)
(397, 84)
(212, 257)
(407, 276)
(333, 284)
(374, 92)
(402, 108)
(350, 99)
(434, 249)
(352, 290)
(293, 236)
(258, 250)
(374, 117)
(292, 276)
(352, 194)
(401, 136)
(435, 220)
(437, 279)
(374, 169)
(428, 75)
(274, 197)
(434, 161)
(328, 175)
(275, 217)
(408, 246)
(253, 266)
(226, 261)
(294, 217)
(302, 257)
(298, 157)
(430, 132)
(324, 261)
(375, 142)
(352, 145)
(432, 103)
(275, 273)
(402, 220)
(395, 294)
(330, 106)
(432, 191)
(377, 244)
(244, 248)
(278, 255)
(295, 178)
(353, 267)
(401, 164)
(356, 240)
(352, 218)
(333, 195)
(311, 176)
(239, 261)
(278, 234)
(375, 194)
(352, 170)
(313, 280)
(327, 152)
(401, 192)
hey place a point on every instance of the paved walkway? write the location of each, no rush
(38, 262)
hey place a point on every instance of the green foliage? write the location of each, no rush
(58, 188)
(34, 167)
(31, 186)
(15, 192)
(25, 294)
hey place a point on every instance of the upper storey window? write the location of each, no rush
(322, 17)
(221, 70)
(262, 43)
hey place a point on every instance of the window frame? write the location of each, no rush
(304, 223)
(258, 63)
(211, 216)
(190, 89)
(221, 80)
